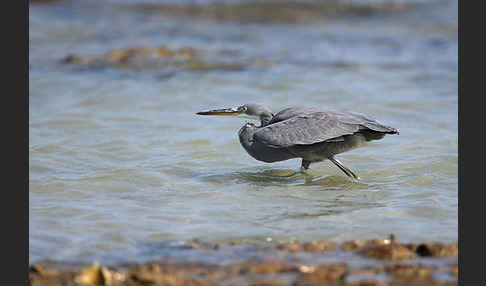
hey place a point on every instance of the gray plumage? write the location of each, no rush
(310, 133)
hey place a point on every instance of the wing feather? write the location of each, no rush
(304, 130)
(314, 127)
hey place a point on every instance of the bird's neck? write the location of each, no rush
(265, 119)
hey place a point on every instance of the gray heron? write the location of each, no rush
(310, 133)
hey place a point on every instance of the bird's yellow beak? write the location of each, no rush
(225, 111)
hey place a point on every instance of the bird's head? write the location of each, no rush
(254, 110)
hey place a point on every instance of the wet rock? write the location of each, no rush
(91, 275)
(39, 275)
(113, 277)
(47, 273)
(271, 268)
(416, 271)
(153, 275)
(385, 249)
(323, 274)
(267, 283)
(352, 245)
(171, 274)
(366, 271)
(42, 270)
(367, 283)
(388, 252)
(437, 249)
(123, 56)
(203, 65)
(313, 246)
(96, 274)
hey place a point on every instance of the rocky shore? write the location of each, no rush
(383, 262)
(163, 58)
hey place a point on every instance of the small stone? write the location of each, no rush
(91, 275)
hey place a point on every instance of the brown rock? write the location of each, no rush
(43, 271)
(313, 246)
(319, 246)
(126, 55)
(123, 56)
(40, 275)
(415, 271)
(391, 251)
(203, 65)
(271, 268)
(91, 275)
(163, 52)
(352, 245)
(323, 274)
(367, 283)
(267, 283)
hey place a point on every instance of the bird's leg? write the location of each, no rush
(305, 165)
(343, 168)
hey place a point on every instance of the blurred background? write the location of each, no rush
(121, 168)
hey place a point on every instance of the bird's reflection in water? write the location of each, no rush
(266, 176)
(289, 177)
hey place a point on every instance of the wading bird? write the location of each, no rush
(310, 133)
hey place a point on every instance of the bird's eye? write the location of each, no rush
(242, 109)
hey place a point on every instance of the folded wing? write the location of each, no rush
(317, 126)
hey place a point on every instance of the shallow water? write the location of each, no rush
(119, 160)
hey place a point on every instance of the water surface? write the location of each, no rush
(118, 159)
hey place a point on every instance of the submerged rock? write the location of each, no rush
(126, 55)
(313, 246)
(157, 59)
(271, 11)
(389, 251)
